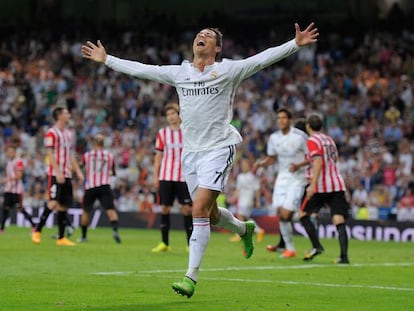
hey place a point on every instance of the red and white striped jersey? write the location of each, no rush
(62, 144)
(170, 142)
(99, 166)
(330, 179)
(16, 185)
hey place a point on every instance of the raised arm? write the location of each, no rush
(97, 53)
(94, 52)
(244, 68)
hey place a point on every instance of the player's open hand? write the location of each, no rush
(308, 36)
(94, 52)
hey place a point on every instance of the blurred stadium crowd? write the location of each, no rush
(362, 84)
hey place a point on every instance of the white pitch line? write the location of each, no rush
(148, 274)
(313, 284)
(257, 268)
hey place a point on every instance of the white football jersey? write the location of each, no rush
(289, 148)
(247, 184)
(206, 98)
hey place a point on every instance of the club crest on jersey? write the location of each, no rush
(214, 74)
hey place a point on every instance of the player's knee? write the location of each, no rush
(186, 210)
(165, 209)
(285, 215)
(338, 219)
(112, 214)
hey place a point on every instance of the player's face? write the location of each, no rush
(283, 121)
(245, 167)
(205, 42)
(64, 116)
(173, 118)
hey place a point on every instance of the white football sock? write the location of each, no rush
(228, 221)
(198, 244)
(287, 233)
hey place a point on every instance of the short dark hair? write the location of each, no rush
(219, 36)
(300, 124)
(315, 122)
(172, 106)
(285, 110)
(57, 111)
(219, 39)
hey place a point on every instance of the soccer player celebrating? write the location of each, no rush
(206, 89)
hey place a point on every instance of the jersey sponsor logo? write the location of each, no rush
(199, 91)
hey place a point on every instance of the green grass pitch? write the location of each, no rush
(102, 275)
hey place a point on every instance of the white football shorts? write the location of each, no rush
(208, 169)
(288, 197)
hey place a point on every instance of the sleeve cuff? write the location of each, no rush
(108, 59)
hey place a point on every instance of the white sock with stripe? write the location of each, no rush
(198, 244)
